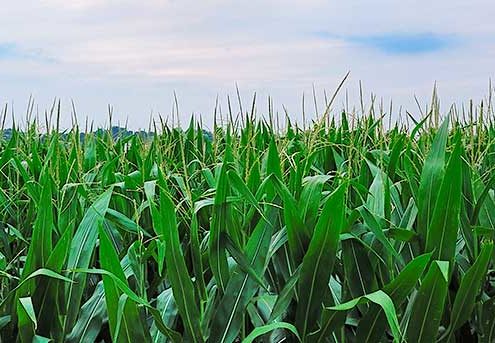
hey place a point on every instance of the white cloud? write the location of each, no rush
(135, 54)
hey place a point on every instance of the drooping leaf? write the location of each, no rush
(259, 331)
(371, 326)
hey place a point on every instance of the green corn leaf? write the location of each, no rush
(262, 330)
(27, 319)
(481, 200)
(372, 325)
(110, 261)
(318, 262)
(373, 224)
(294, 224)
(165, 304)
(41, 246)
(442, 233)
(173, 335)
(4, 320)
(285, 296)
(81, 250)
(470, 287)
(197, 259)
(273, 165)
(429, 304)
(125, 223)
(383, 300)
(310, 197)
(226, 321)
(488, 321)
(41, 339)
(376, 196)
(149, 191)
(431, 178)
(360, 274)
(217, 253)
(177, 271)
(242, 188)
(242, 261)
(37, 273)
(91, 317)
(330, 322)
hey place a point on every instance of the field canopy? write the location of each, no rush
(348, 229)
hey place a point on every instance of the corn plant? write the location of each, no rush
(346, 230)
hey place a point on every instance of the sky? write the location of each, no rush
(138, 56)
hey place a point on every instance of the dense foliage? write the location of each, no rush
(343, 231)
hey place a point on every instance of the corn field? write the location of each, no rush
(345, 230)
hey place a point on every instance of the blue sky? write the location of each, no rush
(7, 51)
(393, 43)
(135, 55)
